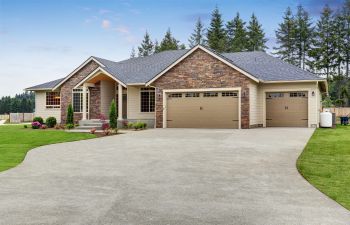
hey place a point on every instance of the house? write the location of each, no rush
(193, 88)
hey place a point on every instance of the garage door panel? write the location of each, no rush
(202, 112)
(288, 109)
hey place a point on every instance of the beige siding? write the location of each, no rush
(134, 99)
(313, 101)
(40, 107)
(107, 95)
(255, 112)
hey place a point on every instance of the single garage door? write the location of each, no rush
(287, 109)
(202, 110)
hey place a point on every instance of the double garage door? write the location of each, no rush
(202, 110)
(287, 109)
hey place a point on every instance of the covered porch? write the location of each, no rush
(93, 95)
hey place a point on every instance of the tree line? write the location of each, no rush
(321, 46)
(23, 103)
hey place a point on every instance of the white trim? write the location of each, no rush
(136, 84)
(77, 69)
(38, 89)
(210, 53)
(290, 81)
(309, 98)
(97, 72)
(52, 106)
(88, 106)
(239, 89)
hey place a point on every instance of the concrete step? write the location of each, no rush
(88, 127)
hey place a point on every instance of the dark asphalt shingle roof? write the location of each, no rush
(142, 69)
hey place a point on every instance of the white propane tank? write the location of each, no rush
(325, 119)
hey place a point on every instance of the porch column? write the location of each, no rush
(84, 102)
(120, 102)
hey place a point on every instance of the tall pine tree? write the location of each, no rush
(346, 39)
(147, 47)
(256, 35)
(216, 34)
(304, 36)
(323, 51)
(133, 53)
(169, 43)
(285, 36)
(198, 35)
(236, 35)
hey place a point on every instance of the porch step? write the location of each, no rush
(90, 124)
(89, 127)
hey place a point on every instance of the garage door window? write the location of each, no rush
(175, 95)
(297, 94)
(210, 94)
(192, 95)
(229, 94)
(275, 95)
(147, 100)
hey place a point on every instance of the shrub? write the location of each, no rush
(25, 126)
(92, 131)
(105, 126)
(106, 132)
(125, 123)
(43, 126)
(139, 125)
(70, 115)
(57, 126)
(130, 125)
(36, 125)
(113, 115)
(69, 126)
(38, 119)
(51, 122)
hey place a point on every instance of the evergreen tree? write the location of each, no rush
(133, 53)
(169, 42)
(156, 47)
(23, 103)
(70, 115)
(285, 36)
(147, 47)
(346, 39)
(216, 34)
(339, 33)
(256, 35)
(236, 35)
(304, 36)
(197, 37)
(323, 51)
(113, 115)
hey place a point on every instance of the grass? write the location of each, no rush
(16, 141)
(325, 163)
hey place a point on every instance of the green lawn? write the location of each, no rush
(16, 141)
(325, 163)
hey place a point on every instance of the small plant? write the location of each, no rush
(116, 130)
(113, 115)
(70, 115)
(57, 126)
(327, 102)
(130, 125)
(139, 125)
(105, 126)
(92, 131)
(36, 125)
(51, 122)
(125, 123)
(106, 132)
(25, 126)
(38, 119)
(69, 126)
(43, 126)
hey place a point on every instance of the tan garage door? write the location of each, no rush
(202, 110)
(287, 109)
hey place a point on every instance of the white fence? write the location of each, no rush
(4, 117)
(21, 117)
(341, 111)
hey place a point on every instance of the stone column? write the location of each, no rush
(84, 102)
(120, 102)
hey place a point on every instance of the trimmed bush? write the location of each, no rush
(70, 115)
(51, 122)
(38, 119)
(69, 126)
(36, 125)
(25, 126)
(113, 115)
(139, 125)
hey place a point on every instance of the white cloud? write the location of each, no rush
(122, 29)
(106, 24)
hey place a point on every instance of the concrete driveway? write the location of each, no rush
(171, 176)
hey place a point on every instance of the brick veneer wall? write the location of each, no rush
(67, 87)
(201, 70)
(95, 101)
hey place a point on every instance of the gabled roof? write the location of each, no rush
(259, 66)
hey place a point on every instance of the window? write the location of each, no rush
(147, 100)
(297, 94)
(192, 95)
(228, 94)
(175, 95)
(275, 95)
(210, 94)
(78, 100)
(53, 100)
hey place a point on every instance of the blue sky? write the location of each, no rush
(42, 40)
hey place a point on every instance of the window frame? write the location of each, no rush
(52, 106)
(79, 90)
(151, 100)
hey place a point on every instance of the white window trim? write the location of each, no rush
(166, 91)
(52, 106)
(151, 90)
(88, 105)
